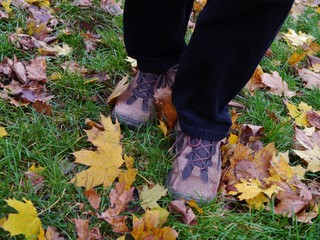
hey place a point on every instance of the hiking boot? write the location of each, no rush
(196, 169)
(135, 106)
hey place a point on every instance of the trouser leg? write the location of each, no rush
(230, 38)
(154, 32)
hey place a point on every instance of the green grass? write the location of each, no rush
(49, 141)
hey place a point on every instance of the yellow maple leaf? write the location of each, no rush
(299, 114)
(25, 221)
(6, 5)
(120, 88)
(251, 191)
(149, 197)
(105, 161)
(3, 132)
(163, 127)
(149, 226)
(64, 50)
(35, 169)
(297, 40)
(295, 58)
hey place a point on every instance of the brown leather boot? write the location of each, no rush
(196, 169)
(135, 106)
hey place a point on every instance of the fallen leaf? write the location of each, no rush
(313, 118)
(82, 3)
(163, 127)
(3, 132)
(3, 15)
(299, 114)
(149, 197)
(6, 5)
(187, 215)
(311, 156)
(42, 107)
(295, 58)
(149, 226)
(297, 40)
(120, 88)
(119, 200)
(192, 203)
(83, 230)
(310, 78)
(165, 109)
(105, 161)
(112, 7)
(93, 198)
(255, 81)
(65, 50)
(24, 222)
(53, 234)
(127, 177)
(276, 85)
(36, 69)
(73, 67)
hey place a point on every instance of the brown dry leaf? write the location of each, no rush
(198, 5)
(315, 63)
(93, 198)
(105, 161)
(310, 78)
(255, 81)
(187, 215)
(295, 58)
(112, 7)
(149, 197)
(42, 107)
(83, 230)
(36, 69)
(91, 41)
(313, 118)
(40, 31)
(73, 67)
(276, 85)
(165, 109)
(4, 15)
(119, 200)
(82, 3)
(19, 70)
(53, 234)
(120, 88)
(149, 226)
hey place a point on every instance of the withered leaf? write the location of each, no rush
(112, 7)
(83, 230)
(36, 70)
(53, 234)
(187, 215)
(82, 3)
(93, 198)
(276, 84)
(310, 78)
(20, 71)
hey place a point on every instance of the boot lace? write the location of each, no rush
(199, 157)
(147, 83)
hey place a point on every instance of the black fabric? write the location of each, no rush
(230, 38)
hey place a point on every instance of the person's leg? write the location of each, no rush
(228, 42)
(154, 32)
(230, 38)
(154, 35)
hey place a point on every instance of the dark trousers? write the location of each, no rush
(230, 38)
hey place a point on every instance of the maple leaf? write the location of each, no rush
(187, 215)
(312, 157)
(252, 191)
(149, 226)
(3, 132)
(120, 88)
(296, 40)
(295, 58)
(119, 200)
(276, 84)
(83, 230)
(93, 198)
(310, 78)
(25, 221)
(149, 197)
(112, 7)
(105, 161)
(65, 50)
(163, 127)
(299, 114)
(164, 107)
(255, 81)
(6, 5)
(53, 234)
